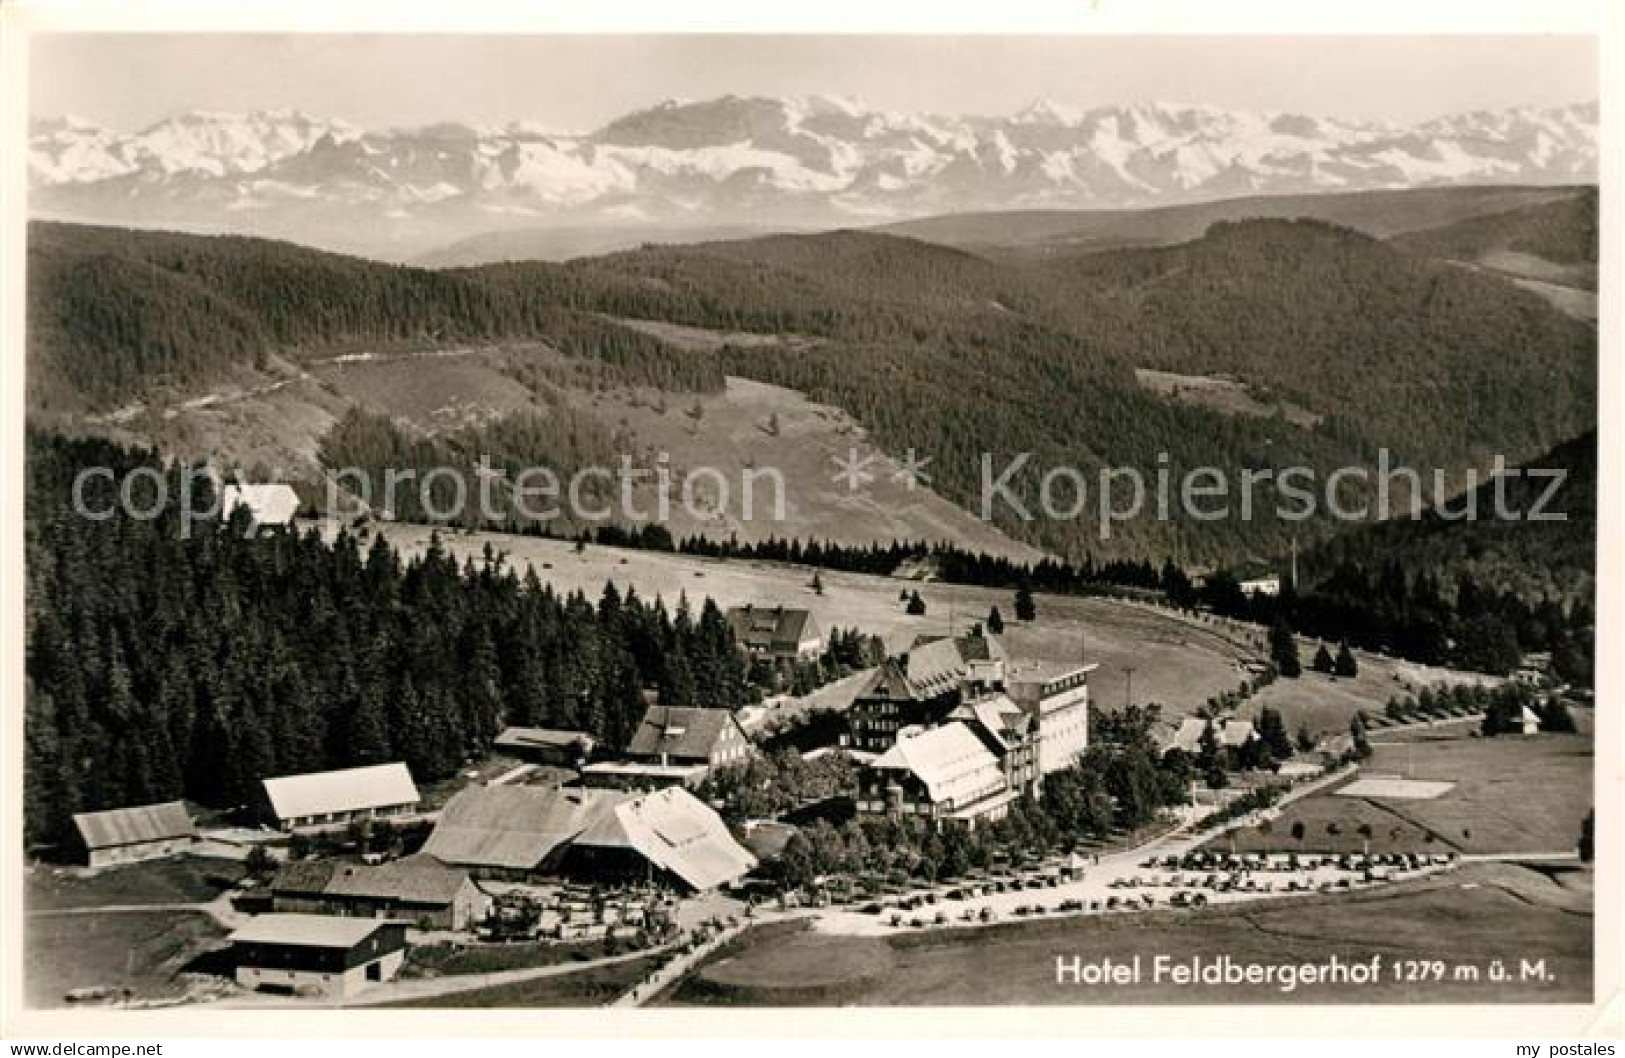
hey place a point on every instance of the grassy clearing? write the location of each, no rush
(1472, 916)
(1511, 795)
(586, 988)
(182, 880)
(141, 951)
(1226, 395)
(824, 970)
(446, 960)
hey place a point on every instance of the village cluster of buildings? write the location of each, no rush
(951, 731)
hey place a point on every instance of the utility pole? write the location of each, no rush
(1128, 688)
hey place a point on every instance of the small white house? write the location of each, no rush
(1267, 585)
(273, 504)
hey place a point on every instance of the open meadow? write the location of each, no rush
(71, 942)
(1471, 917)
(1513, 794)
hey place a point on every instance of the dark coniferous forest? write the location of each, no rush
(162, 667)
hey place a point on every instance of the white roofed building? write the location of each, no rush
(324, 955)
(274, 504)
(599, 835)
(327, 798)
(945, 775)
(668, 835)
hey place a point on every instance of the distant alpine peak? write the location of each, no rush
(808, 160)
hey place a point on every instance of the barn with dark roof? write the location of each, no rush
(673, 735)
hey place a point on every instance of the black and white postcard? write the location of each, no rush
(670, 520)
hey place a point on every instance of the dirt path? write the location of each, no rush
(219, 909)
(419, 988)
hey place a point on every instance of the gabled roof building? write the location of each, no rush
(943, 775)
(525, 832)
(923, 685)
(675, 735)
(669, 835)
(1010, 733)
(515, 831)
(421, 892)
(332, 798)
(323, 955)
(545, 745)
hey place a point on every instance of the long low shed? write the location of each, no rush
(335, 797)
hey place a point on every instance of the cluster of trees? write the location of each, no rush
(1122, 781)
(1415, 617)
(166, 664)
(1244, 803)
(946, 561)
(771, 784)
(441, 479)
(1502, 706)
(846, 651)
(1344, 664)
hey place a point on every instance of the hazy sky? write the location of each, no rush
(576, 83)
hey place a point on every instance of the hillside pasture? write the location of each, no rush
(143, 951)
(1178, 660)
(1324, 703)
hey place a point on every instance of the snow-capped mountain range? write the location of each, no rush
(801, 162)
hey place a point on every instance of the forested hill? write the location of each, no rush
(1553, 557)
(929, 348)
(1441, 365)
(115, 313)
(1555, 241)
